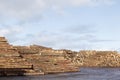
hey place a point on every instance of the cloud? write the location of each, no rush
(25, 10)
(11, 33)
(74, 38)
(80, 29)
(22, 11)
(59, 41)
(10, 30)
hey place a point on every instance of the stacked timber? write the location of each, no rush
(92, 58)
(46, 59)
(11, 62)
(57, 62)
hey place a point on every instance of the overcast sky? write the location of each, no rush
(69, 24)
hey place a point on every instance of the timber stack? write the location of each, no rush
(32, 60)
(46, 59)
(93, 58)
(12, 63)
(39, 60)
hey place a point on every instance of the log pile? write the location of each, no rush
(97, 59)
(11, 62)
(37, 60)
(47, 59)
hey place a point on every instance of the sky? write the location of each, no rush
(62, 24)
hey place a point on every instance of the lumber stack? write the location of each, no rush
(11, 62)
(46, 59)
